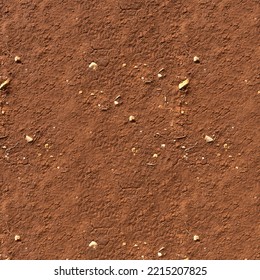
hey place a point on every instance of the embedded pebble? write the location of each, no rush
(196, 59)
(93, 244)
(17, 59)
(196, 238)
(159, 254)
(131, 119)
(225, 146)
(28, 138)
(93, 66)
(4, 84)
(17, 238)
(184, 84)
(208, 139)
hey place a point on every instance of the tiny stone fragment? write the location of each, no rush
(93, 66)
(184, 84)
(208, 139)
(28, 138)
(5, 84)
(196, 59)
(131, 119)
(196, 238)
(17, 59)
(17, 238)
(93, 244)
(160, 254)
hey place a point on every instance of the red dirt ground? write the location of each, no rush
(90, 174)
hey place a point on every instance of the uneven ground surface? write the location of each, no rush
(135, 188)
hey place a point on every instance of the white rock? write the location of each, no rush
(28, 138)
(131, 119)
(17, 59)
(208, 139)
(196, 59)
(93, 244)
(196, 238)
(17, 238)
(93, 66)
(184, 84)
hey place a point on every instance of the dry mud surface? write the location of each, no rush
(140, 189)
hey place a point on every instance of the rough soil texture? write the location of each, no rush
(132, 187)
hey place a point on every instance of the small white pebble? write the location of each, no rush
(196, 59)
(93, 244)
(159, 254)
(163, 145)
(17, 237)
(131, 119)
(196, 238)
(155, 155)
(124, 65)
(28, 138)
(159, 75)
(93, 66)
(208, 139)
(225, 146)
(17, 59)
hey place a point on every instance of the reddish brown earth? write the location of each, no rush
(89, 174)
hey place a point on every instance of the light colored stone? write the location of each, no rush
(17, 237)
(196, 238)
(208, 139)
(93, 66)
(17, 59)
(196, 59)
(28, 138)
(93, 244)
(184, 84)
(131, 119)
